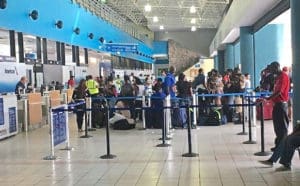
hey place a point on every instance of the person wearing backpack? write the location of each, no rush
(127, 90)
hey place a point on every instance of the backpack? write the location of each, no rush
(127, 90)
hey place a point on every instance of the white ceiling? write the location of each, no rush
(174, 15)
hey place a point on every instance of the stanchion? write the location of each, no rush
(86, 135)
(250, 141)
(190, 153)
(262, 131)
(52, 155)
(164, 127)
(107, 155)
(243, 118)
(143, 113)
(89, 116)
(68, 147)
(166, 120)
(194, 110)
(26, 115)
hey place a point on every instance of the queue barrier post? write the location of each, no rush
(243, 117)
(52, 154)
(143, 112)
(190, 153)
(164, 127)
(68, 147)
(89, 116)
(194, 102)
(86, 119)
(108, 155)
(262, 131)
(250, 141)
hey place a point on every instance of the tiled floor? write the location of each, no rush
(223, 159)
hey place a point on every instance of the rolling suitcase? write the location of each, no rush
(268, 109)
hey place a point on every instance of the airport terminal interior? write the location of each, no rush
(149, 92)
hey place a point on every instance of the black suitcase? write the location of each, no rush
(98, 115)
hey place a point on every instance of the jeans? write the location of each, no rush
(280, 121)
(292, 142)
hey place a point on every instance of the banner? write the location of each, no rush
(10, 74)
(59, 127)
(12, 119)
(1, 112)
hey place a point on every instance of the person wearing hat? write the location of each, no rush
(280, 97)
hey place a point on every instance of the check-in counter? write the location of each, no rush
(55, 99)
(69, 95)
(35, 117)
(8, 115)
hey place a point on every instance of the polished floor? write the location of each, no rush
(223, 159)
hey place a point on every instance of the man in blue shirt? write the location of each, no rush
(169, 83)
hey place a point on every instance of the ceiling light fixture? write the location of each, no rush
(155, 19)
(148, 7)
(161, 27)
(193, 20)
(193, 9)
(193, 29)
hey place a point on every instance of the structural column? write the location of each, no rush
(295, 22)
(247, 52)
(216, 62)
(221, 67)
(229, 57)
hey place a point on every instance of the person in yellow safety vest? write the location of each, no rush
(92, 86)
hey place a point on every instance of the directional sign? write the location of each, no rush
(121, 47)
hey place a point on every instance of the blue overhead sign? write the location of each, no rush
(121, 47)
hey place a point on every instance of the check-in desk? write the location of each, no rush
(8, 115)
(35, 117)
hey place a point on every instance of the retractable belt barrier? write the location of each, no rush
(59, 129)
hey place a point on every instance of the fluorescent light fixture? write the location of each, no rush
(161, 27)
(155, 19)
(193, 9)
(193, 20)
(148, 7)
(193, 29)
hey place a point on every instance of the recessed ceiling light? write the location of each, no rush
(193, 29)
(193, 9)
(193, 20)
(161, 27)
(148, 7)
(155, 19)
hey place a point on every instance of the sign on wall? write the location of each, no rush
(10, 74)
(121, 47)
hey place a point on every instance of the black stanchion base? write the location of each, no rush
(91, 129)
(108, 156)
(167, 138)
(190, 155)
(68, 148)
(242, 133)
(262, 153)
(163, 145)
(50, 157)
(249, 142)
(142, 129)
(86, 136)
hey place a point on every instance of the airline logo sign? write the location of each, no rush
(121, 47)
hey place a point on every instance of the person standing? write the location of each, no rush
(199, 82)
(280, 98)
(79, 95)
(170, 83)
(20, 86)
(92, 86)
(71, 82)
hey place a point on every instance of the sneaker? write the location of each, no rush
(283, 168)
(80, 130)
(266, 162)
(273, 149)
